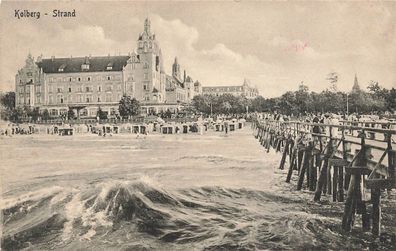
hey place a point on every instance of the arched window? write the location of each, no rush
(145, 46)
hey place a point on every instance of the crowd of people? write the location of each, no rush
(198, 125)
(335, 119)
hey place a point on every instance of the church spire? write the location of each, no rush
(176, 69)
(356, 87)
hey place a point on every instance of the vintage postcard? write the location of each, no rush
(197, 125)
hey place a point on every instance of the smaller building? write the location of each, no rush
(180, 88)
(245, 89)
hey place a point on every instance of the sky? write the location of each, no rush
(276, 45)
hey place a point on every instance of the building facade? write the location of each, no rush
(85, 84)
(245, 89)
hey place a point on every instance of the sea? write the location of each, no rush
(214, 191)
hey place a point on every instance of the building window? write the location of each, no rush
(98, 98)
(79, 79)
(59, 90)
(70, 79)
(108, 97)
(59, 99)
(144, 87)
(84, 112)
(89, 78)
(145, 76)
(87, 89)
(69, 89)
(63, 111)
(99, 88)
(108, 78)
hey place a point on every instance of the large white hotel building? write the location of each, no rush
(86, 83)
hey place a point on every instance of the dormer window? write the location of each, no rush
(61, 68)
(109, 67)
(85, 67)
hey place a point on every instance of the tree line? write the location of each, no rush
(375, 100)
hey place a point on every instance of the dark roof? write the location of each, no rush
(70, 65)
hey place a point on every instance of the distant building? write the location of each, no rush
(86, 83)
(180, 89)
(238, 90)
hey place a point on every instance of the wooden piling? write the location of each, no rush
(350, 205)
(307, 153)
(392, 165)
(329, 180)
(300, 155)
(291, 165)
(285, 152)
(361, 205)
(376, 214)
(323, 172)
(290, 148)
(340, 194)
(353, 199)
(335, 183)
(312, 173)
(302, 169)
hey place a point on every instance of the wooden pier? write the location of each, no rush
(345, 161)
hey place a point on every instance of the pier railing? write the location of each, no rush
(342, 160)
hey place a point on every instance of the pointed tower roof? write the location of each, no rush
(147, 25)
(355, 87)
(246, 82)
(29, 59)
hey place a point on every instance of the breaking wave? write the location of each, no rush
(202, 218)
